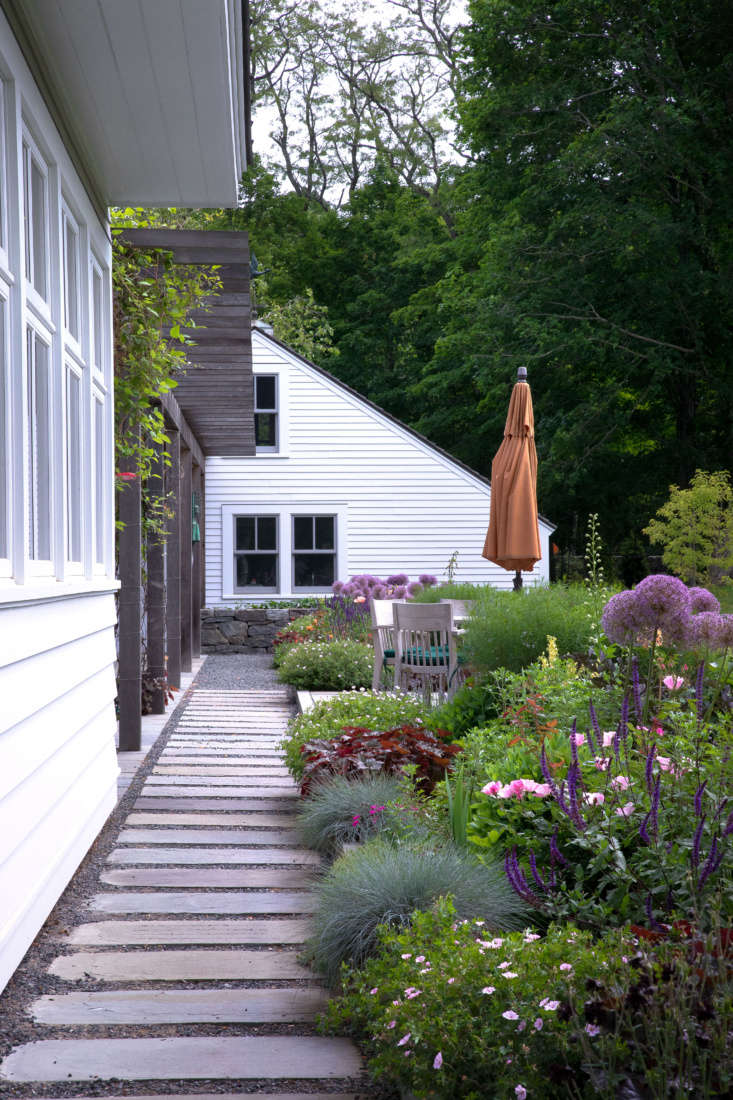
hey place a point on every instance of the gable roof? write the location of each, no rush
(382, 413)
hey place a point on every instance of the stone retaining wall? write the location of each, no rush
(249, 630)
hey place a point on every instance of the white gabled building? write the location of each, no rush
(337, 487)
(101, 103)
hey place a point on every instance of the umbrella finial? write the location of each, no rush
(521, 374)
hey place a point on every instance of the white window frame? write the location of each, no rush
(279, 371)
(37, 566)
(101, 369)
(3, 178)
(30, 152)
(6, 434)
(285, 513)
(74, 565)
(75, 339)
(100, 497)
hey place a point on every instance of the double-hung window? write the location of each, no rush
(71, 255)
(266, 418)
(38, 397)
(256, 554)
(314, 552)
(4, 448)
(35, 200)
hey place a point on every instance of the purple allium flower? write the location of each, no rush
(696, 841)
(413, 588)
(398, 578)
(636, 688)
(702, 600)
(379, 592)
(427, 580)
(663, 603)
(338, 587)
(698, 798)
(620, 619)
(399, 592)
(708, 630)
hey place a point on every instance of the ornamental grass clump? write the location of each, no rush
(378, 884)
(327, 666)
(340, 811)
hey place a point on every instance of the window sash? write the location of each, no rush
(256, 557)
(71, 254)
(97, 318)
(266, 414)
(38, 388)
(99, 465)
(4, 511)
(310, 560)
(35, 201)
(74, 442)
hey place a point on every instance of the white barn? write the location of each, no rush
(101, 103)
(338, 487)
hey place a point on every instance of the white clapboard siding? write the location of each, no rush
(58, 766)
(407, 506)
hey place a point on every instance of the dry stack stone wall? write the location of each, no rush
(248, 630)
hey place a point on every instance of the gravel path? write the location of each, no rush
(204, 992)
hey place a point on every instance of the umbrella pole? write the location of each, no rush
(517, 583)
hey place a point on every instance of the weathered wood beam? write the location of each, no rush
(186, 565)
(155, 554)
(176, 419)
(173, 561)
(130, 609)
(196, 577)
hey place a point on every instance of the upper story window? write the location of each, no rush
(256, 553)
(266, 418)
(314, 552)
(97, 316)
(71, 257)
(35, 202)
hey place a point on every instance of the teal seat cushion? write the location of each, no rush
(439, 655)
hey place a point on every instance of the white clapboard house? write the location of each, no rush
(102, 102)
(338, 487)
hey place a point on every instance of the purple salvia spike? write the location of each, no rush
(710, 865)
(596, 730)
(546, 773)
(698, 690)
(560, 799)
(553, 880)
(616, 745)
(624, 723)
(654, 811)
(573, 743)
(653, 924)
(535, 873)
(575, 815)
(698, 798)
(728, 825)
(721, 807)
(649, 769)
(643, 833)
(555, 854)
(696, 841)
(636, 689)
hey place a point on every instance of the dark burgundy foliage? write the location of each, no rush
(360, 750)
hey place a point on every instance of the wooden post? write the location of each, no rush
(130, 610)
(156, 591)
(173, 561)
(196, 576)
(186, 571)
(202, 524)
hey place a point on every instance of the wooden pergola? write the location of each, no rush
(211, 412)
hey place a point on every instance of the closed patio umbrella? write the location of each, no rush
(513, 538)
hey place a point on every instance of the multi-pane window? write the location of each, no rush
(97, 333)
(4, 551)
(266, 429)
(256, 553)
(314, 551)
(71, 275)
(35, 196)
(99, 457)
(2, 166)
(73, 465)
(38, 454)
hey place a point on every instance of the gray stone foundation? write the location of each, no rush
(248, 630)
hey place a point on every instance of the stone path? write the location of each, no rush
(184, 971)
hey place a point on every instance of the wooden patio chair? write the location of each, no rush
(425, 647)
(382, 612)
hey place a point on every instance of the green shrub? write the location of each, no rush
(339, 810)
(474, 704)
(445, 1010)
(510, 629)
(380, 884)
(695, 527)
(448, 591)
(327, 666)
(370, 709)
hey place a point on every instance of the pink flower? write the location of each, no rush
(541, 790)
(578, 738)
(503, 966)
(438, 1061)
(624, 811)
(592, 1030)
(492, 788)
(520, 1092)
(495, 943)
(359, 599)
(530, 937)
(673, 683)
(392, 1023)
(355, 820)
(548, 1005)
(404, 1039)
(407, 955)
(419, 958)
(373, 991)
(509, 974)
(565, 966)
(621, 782)
(488, 989)
(594, 798)
(510, 1014)
(521, 1025)
(602, 763)
(414, 993)
(608, 736)
(451, 980)
(538, 1024)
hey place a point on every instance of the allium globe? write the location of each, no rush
(620, 619)
(663, 603)
(413, 588)
(702, 600)
(708, 630)
(427, 580)
(398, 579)
(399, 592)
(337, 587)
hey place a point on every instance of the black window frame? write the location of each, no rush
(277, 552)
(262, 410)
(294, 552)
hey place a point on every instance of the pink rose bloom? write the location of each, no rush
(608, 736)
(625, 811)
(594, 798)
(621, 783)
(578, 738)
(492, 788)
(665, 763)
(673, 683)
(542, 790)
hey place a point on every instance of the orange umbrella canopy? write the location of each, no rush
(513, 538)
